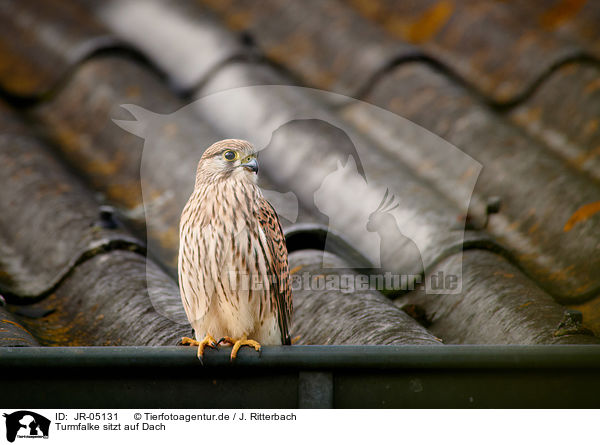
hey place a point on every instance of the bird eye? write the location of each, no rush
(230, 155)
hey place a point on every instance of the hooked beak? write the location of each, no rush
(251, 165)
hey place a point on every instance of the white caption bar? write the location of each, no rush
(23, 426)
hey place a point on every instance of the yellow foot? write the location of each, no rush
(189, 341)
(237, 344)
(209, 341)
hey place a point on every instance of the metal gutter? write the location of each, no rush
(303, 376)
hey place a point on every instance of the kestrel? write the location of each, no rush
(233, 267)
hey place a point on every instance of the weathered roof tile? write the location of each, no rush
(315, 40)
(591, 314)
(182, 41)
(12, 332)
(501, 49)
(497, 305)
(541, 195)
(330, 311)
(78, 120)
(49, 222)
(564, 112)
(105, 301)
(39, 42)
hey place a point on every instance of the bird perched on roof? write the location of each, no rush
(233, 267)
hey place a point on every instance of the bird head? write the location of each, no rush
(228, 159)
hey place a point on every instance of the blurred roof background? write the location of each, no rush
(514, 86)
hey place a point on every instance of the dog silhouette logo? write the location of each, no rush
(26, 425)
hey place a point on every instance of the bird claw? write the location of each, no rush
(209, 341)
(227, 340)
(244, 342)
(188, 341)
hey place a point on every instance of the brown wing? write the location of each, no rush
(281, 292)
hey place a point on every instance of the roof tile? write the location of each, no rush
(501, 49)
(591, 314)
(497, 305)
(105, 301)
(533, 221)
(50, 223)
(39, 42)
(12, 332)
(78, 120)
(330, 311)
(314, 40)
(564, 112)
(182, 41)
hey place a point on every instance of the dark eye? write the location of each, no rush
(230, 155)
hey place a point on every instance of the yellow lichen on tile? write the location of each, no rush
(582, 214)
(560, 13)
(425, 27)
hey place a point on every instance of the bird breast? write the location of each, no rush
(222, 260)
